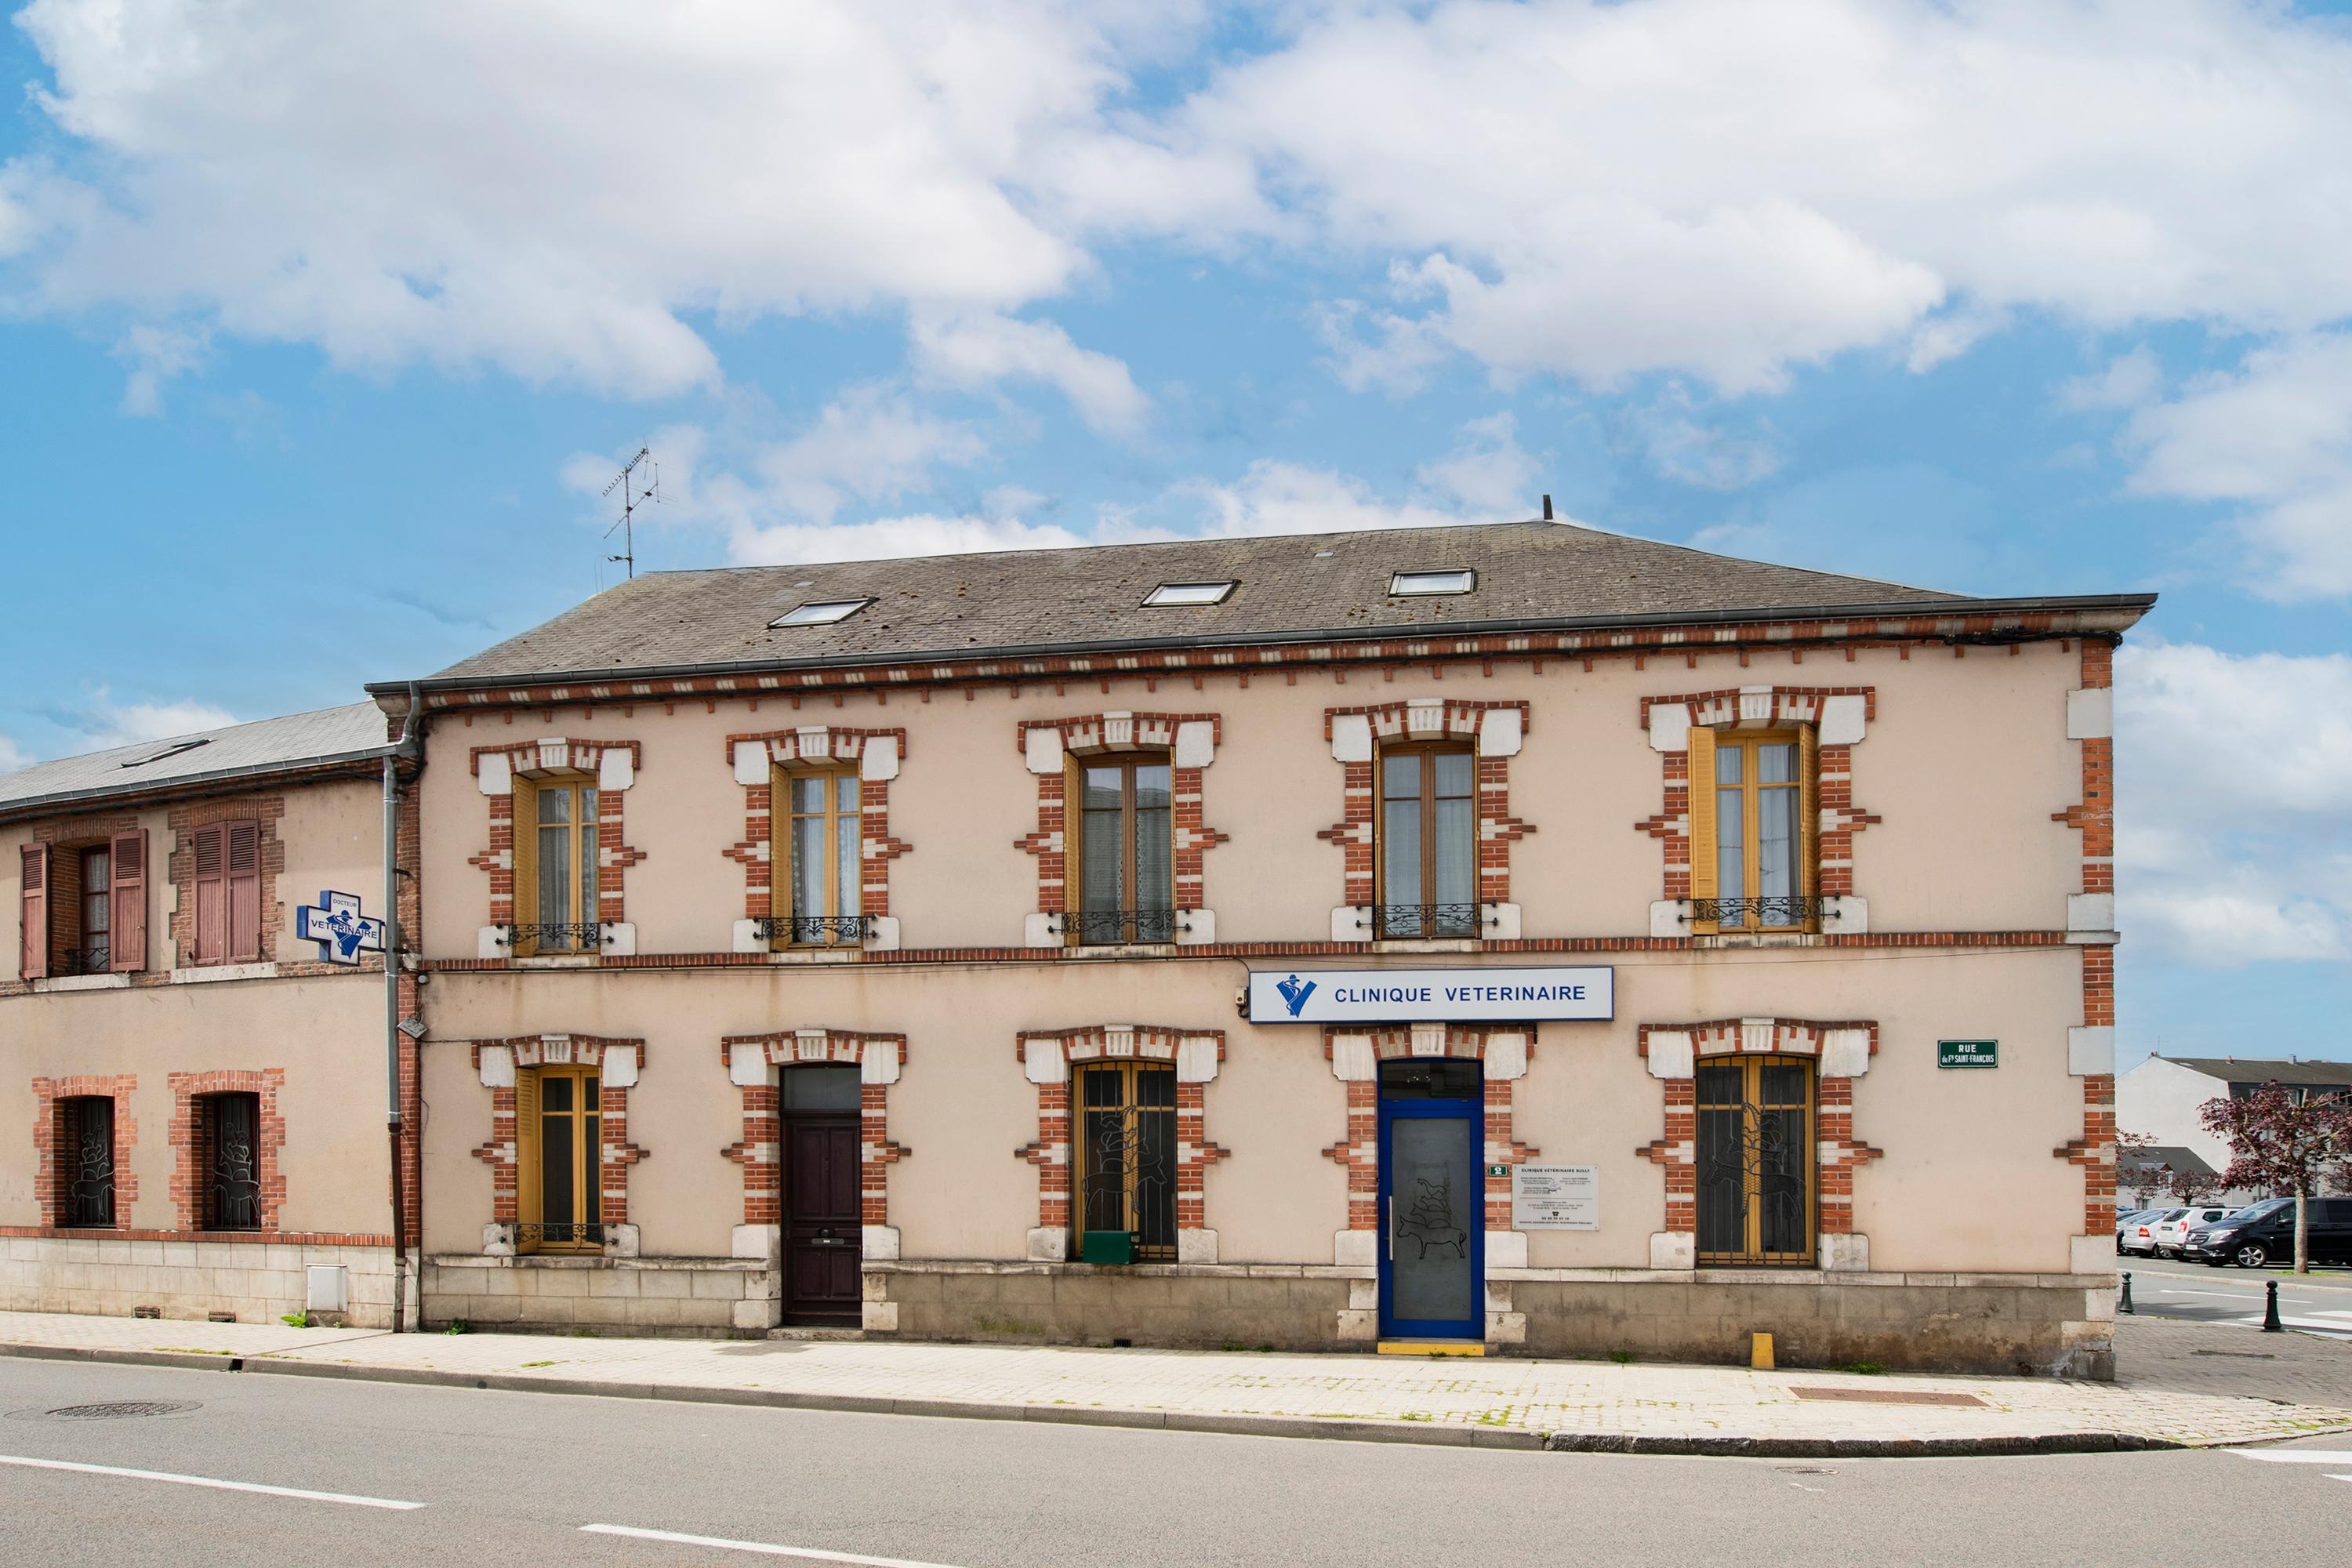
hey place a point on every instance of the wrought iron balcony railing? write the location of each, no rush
(817, 929)
(558, 936)
(530, 1235)
(1411, 921)
(87, 960)
(1787, 912)
(1112, 928)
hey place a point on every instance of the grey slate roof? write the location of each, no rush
(1324, 585)
(264, 746)
(2260, 1070)
(2170, 1156)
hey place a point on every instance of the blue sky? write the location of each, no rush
(324, 326)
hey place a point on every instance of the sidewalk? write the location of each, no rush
(2185, 1384)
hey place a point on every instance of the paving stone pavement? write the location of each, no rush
(2182, 1382)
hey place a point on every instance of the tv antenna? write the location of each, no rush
(636, 489)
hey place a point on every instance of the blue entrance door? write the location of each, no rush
(1433, 1216)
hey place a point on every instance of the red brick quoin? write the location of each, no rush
(819, 745)
(1837, 1152)
(1101, 734)
(1450, 719)
(49, 1133)
(615, 1152)
(192, 1144)
(1360, 1152)
(1049, 1058)
(877, 1058)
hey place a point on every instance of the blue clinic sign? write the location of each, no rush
(336, 924)
(1427, 995)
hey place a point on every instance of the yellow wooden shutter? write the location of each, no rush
(1809, 813)
(780, 855)
(1702, 821)
(527, 1155)
(526, 867)
(1072, 836)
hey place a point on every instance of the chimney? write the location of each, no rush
(1547, 509)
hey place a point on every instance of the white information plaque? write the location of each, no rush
(1556, 1197)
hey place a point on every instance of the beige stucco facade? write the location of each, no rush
(304, 1035)
(1954, 885)
(1965, 1241)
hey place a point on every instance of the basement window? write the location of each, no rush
(821, 614)
(1406, 584)
(1184, 595)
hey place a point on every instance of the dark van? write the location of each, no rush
(2263, 1234)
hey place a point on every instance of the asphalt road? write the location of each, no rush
(2319, 1305)
(518, 1478)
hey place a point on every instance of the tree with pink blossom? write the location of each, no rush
(2281, 1143)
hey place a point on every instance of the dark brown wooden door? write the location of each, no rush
(824, 1235)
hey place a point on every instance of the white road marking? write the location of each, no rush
(2297, 1456)
(809, 1552)
(207, 1481)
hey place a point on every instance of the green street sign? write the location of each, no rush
(1968, 1053)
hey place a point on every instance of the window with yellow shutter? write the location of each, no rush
(1754, 842)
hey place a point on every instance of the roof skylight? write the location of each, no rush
(175, 749)
(1404, 585)
(821, 612)
(1179, 595)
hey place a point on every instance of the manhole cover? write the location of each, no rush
(1890, 1397)
(120, 1409)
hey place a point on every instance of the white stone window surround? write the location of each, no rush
(1191, 742)
(877, 758)
(1494, 730)
(1049, 1058)
(1841, 1050)
(1355, 1055)
(618, 1063)
(753, 1062)
(1840, 718)
(615, 766)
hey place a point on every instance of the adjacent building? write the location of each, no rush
(202, 1086)
(2163, 1099)
(1518, 938)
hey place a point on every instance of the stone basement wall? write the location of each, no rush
(257, 1279)
(2035, 1325)
(656, 1295)
(1290, 1307)
(2020, 1325)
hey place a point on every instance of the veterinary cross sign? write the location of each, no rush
(336, 924)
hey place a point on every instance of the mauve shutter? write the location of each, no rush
(212, 895)
(243, 891)
(127, 937)
(34, 963)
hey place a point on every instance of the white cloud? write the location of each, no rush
(2126, 382)
(547, 186)
(108, 724)
(1726, 189)
(978, 351)
(156, 354)
(1711, 457)
(12, 755)
(921, 533)
(2275, 438)
(2234, 842)
(1707, 187)
(1488, 473)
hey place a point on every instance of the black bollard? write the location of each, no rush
(2124, 1304)
(2271, 1325)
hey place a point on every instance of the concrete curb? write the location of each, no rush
(1328, 1428)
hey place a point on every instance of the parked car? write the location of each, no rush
(2171, 1232)
(2127, 1219)
(2140, 1240)
(2263, 1234)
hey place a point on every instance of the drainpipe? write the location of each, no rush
(411, 746)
